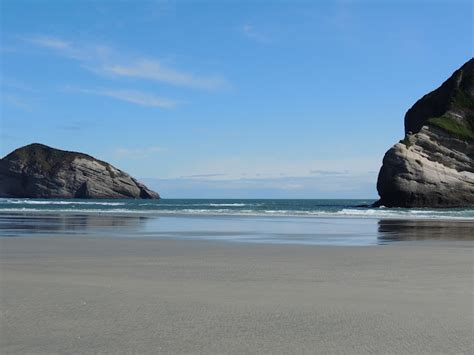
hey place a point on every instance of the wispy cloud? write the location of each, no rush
(16, 101)
(50, 42)
(105, 60)
(289, 187)
(76, 126)
(138, 153)
(132, 96)
(139, 98)
(13, 84)
(150, 69)
(268, 176)
(202, 176)
(329, 172)
(268, 166)
(68, 49)
(250, 32)
(5, 136)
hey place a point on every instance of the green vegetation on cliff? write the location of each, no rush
(459, 119)
(47, 159)
(406, 141)
(461, 100)
(452, 126)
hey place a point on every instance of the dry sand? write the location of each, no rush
(121, 295)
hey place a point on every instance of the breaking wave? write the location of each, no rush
(259, 208)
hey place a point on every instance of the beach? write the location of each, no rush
(236, 177)
(83, 294)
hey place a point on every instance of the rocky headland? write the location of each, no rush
(433, 166)
(39, 171)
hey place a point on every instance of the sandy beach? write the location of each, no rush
(138, 295)
(236, 177)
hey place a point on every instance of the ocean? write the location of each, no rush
(318, 222)
(229, 207)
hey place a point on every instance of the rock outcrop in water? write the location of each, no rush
(433, 165)
(39, 171)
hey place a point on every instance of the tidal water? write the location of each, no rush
(309, 222)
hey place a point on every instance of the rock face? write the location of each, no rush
(39, 171)
(433, 166)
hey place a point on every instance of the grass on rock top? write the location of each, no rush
(48, 160)
(461, 100)
(45, 159)
(453, 126)
(407, 142)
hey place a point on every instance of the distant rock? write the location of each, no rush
(39, 171)
(433, 166)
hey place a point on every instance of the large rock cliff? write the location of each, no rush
(433, 166)
(39, 171)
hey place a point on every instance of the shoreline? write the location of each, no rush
(144, 213)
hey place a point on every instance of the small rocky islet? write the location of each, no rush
(39, 171)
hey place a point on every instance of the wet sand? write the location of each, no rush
(137, 295)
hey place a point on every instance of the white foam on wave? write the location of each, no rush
(228, 204)
(200, 204)
(349, 213)
(35, 202)
(407, 213)
(71, 211)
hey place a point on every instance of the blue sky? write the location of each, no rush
(223, 98)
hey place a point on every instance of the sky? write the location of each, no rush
(227, 99)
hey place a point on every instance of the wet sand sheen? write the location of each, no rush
(124, 295)
(249, 229)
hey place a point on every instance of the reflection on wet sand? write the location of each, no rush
(17, 223)
(402, 230)
(308, 231)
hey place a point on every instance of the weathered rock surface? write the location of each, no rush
(39, 171)
(434, 165)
